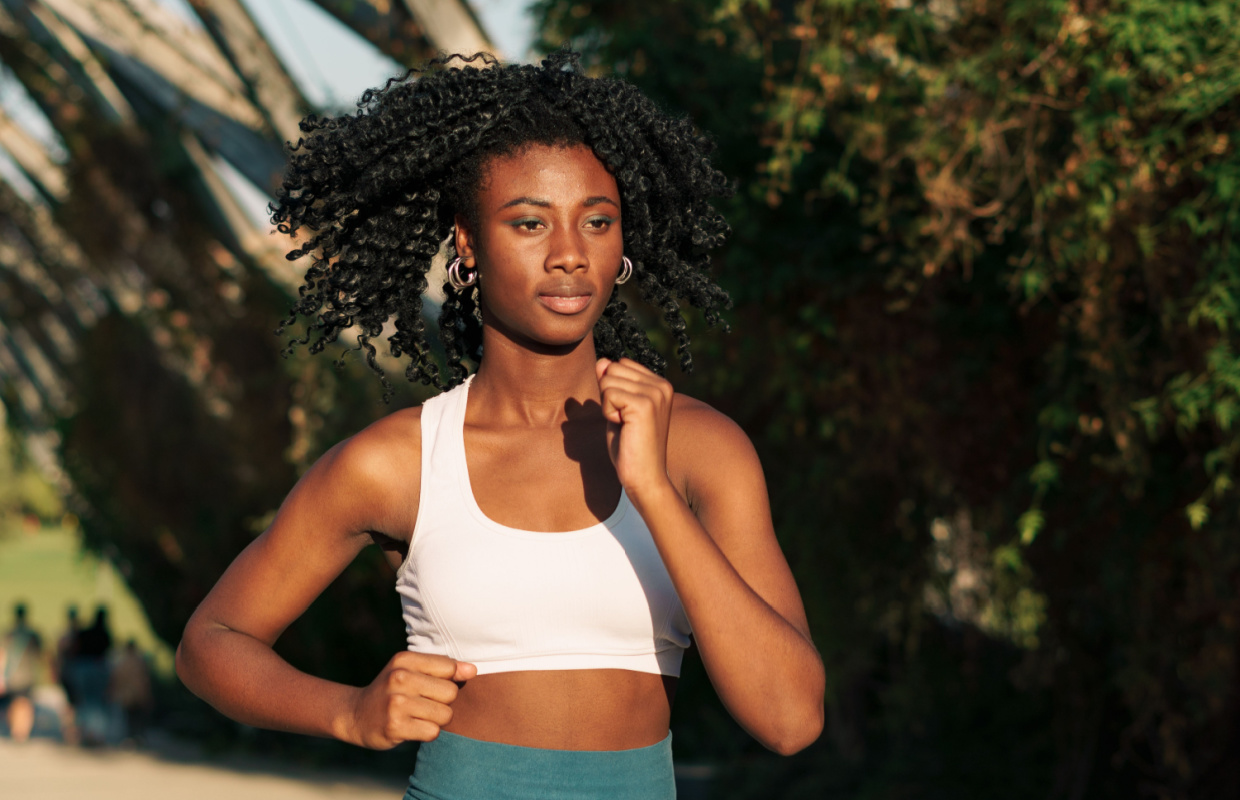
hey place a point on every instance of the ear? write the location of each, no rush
(465, 241)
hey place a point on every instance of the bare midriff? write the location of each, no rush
(595, 709)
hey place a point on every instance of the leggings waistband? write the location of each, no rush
(456, 767)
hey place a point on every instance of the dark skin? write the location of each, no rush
(552, 433)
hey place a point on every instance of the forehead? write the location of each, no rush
(559, 175)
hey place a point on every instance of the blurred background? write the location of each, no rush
(984, 338)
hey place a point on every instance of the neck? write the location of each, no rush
(520, 386)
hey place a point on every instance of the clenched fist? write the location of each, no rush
(410, 700)
(638, 406)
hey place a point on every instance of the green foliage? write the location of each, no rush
(26, 496)
(983, 265)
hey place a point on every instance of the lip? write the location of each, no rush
(565, 304)
(565, 299)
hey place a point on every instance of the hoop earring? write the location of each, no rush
(626, 270)
(454, 276)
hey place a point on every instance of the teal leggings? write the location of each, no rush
(458, 768)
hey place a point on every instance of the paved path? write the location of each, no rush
(45, 770)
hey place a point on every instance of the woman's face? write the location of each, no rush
(547, 245)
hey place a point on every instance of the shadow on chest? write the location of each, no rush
(543, 479)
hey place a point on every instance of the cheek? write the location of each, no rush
(613, 246)
(503, 275)
(500, 286)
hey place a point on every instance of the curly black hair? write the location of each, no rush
(379, 190)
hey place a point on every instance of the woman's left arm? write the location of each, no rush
(734, 582)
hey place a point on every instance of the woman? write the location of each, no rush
(560, 521)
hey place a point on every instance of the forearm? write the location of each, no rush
(766, 672)
(244, 679)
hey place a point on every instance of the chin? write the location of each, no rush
(564, 343)
(560, 334)
(560, 338)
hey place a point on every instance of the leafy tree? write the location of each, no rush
(25, 493)
(137, 307)
(986, 341)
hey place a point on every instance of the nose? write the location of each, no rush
(567, 250)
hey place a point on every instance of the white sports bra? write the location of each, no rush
(506, 599)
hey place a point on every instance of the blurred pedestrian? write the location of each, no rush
(22, 653)
(90, 670)
(96, 641)
(130, 688)
(64, 665)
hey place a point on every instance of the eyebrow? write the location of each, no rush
(526, 201)
(534, 201)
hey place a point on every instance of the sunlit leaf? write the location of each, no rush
(1197, 513)
(1029, 525)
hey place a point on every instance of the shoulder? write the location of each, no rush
(381, 447)
(708, 452)
(369, 481)
(703, 427)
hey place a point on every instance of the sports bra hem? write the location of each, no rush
(660, 662)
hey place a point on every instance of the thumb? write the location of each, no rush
(464, 671)
(600, 367)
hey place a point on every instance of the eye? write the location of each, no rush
(527, 223)
(600, 223)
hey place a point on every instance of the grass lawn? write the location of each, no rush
(46, 569)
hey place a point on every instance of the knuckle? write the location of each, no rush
(428, 664)
(438, 715)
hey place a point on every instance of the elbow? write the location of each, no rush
(183, 661)
(181, 665)
(798, 731)
(802, 716)
(179, 661)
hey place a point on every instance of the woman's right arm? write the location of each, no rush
(366, 484)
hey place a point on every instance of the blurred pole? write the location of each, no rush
(451, 25)
(31, 156)
(269, 85)
(415, 30)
